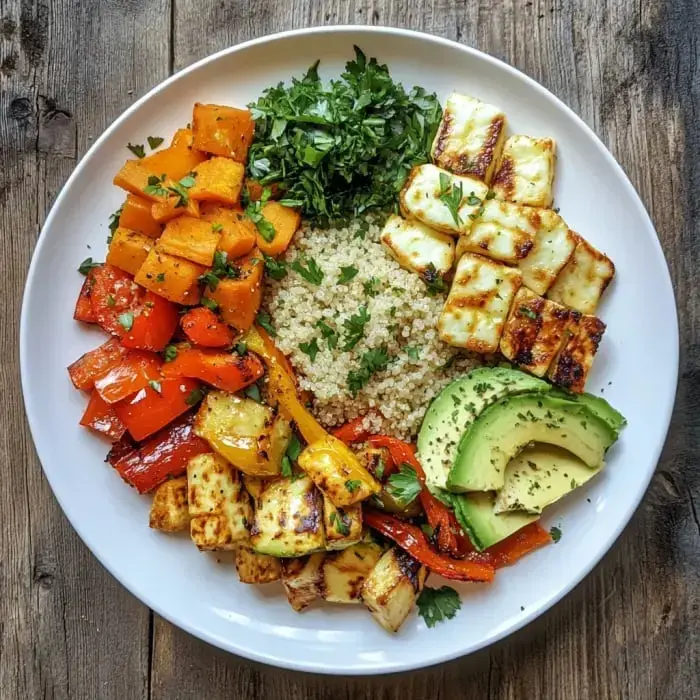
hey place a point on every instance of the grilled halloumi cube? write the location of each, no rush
(343, 573)
(343, 526)
(584, 278)
(288, 518)
(169, 511)
(219, 506)
(477, 306)
(417, 247)
(502, 231)
(391, 589)
(571, 366)
(553, 248)
(525, 172)
(470, 137)
(427, 191)
(534, 332)
(257, 568)
(301, 578)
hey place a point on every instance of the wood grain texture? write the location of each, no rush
(630, 69)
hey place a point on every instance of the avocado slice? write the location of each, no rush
(539, 476)
(475, 512)
(598, 405)
(505, 428)
(454, 410)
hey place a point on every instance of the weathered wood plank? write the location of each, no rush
(67, 69)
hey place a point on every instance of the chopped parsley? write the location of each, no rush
(352, 485)
(338, 521)
(427, 529)
(195, 396)
(525, 311)
(413, 352)
(111, 301)
(241, 349)
(294, 448)
(286, 467)
(210, 303)
(404, 485)
(254, 213)
(555, 534)
(277, 269)
(126, 320)
(371, 286)
(137, 149)
(217, 228)
(308, 269)
(160, 277)
(438, 604)
(433, 280)
(379, 471)
(490, 195)
(114, 223)
(156, 188)
(154, 142)
(355, 328)
(372, 361)
(451, 196)
(220, 269)
(347, 274)
(253, 392)
(311, 349)
(329, 334)
(264, 321)
(170, 353)
(156, 386)
(87, 265)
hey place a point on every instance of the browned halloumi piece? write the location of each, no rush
(477, 306)
(534, 332)
(470, 137)
(301, 578)
(525, 172)
(584, 278)
(169, 511)
(575, 359)
(257, 568)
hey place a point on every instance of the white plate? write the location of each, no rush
(637, 368)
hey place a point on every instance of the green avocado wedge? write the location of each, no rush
(454, 410)
(598, 405)
(501, 431)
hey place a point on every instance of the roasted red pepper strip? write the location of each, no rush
(153, 407)
(95, 364)
(100, 417)
(520, 543)
(131, 374)
(154, 323)
(204, 328)
(164, 455)
(224, 370)
(113, 294)
(412, 539)
(353, 431)
(83, 307)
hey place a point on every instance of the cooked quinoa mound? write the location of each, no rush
(402, 324)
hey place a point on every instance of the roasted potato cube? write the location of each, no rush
(470, 137)
(288, 519)
(584, 279)
(169, 510)
(128, 250)
(534, 331)
(391, 589)
(191, 239)
(417, 247)
(575, 359)
(502, 231)
(218, 180)
(343, 525)
(336, 470)
(343, 573)
(301, 578)
(257, 568)
(174, 278)
(223, 131)
(426, 192)
(238, 233)
(526, 171)
(554, 246)
(219, 506)
(251, 436)
(477, 306)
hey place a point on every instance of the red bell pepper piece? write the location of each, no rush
(113, 294)
(154, 323)
(203, 327)
(83, 307)
(154, 406)
(412, 539)
(520, 543)
(95, 364)
(101, 417)
(354, 430)
(223, 370)
(164, 455)
(133, 372)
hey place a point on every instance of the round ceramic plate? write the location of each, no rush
(636, 368)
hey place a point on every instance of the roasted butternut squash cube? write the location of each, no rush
(238, 233)
(176, 161)
(344, 573)
(218, 180)
(301, 578)
(136, 215)
(219, 506)
(285, 221)
(257, 568)
(128, 250)
(182, 137)
(134, 176)
(191, 239)
(169, 510)
(171, 208)
(239, 299)
(223, 131)
(173, 278)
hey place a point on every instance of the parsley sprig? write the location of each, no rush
(372, 361)
(404, 485)
(254, 212)
(451, 196)
(355, 328)
(438, 604)
(308, 269)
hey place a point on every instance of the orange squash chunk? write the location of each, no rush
(174, 278)
(239, 299)
(168, 210)
(136, 216)
(238, 234)
(133, 177)
(255, 190)
(223, 131)
(286, 222)
(218, 180)
(191, 239)
(128, 250)
(178, 160)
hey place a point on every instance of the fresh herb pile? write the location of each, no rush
(345, 148)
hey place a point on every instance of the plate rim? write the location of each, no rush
(272, 658)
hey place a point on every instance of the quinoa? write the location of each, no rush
(402, 320)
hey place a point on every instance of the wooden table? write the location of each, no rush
(630, 69)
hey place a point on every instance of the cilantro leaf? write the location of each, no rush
(555, 534)
(438, 604)
(154, 142)
(311, 349)
(329, 334)
(277, 269)
(137, 149)
(451, 196)
(312, 273)
(355, 328)
(371, 362)
(87, 265)
(347, 274)
(404, 485)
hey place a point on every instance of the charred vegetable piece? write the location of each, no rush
(343, 525)
(136, 368)
(101, 417)
(114, 298)
(223, 131)
(301, 578)
(83, 306)
(203, 327)
(257, 568)
(169, 510)
(154, 323)
(95, 364)
(343, 573)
